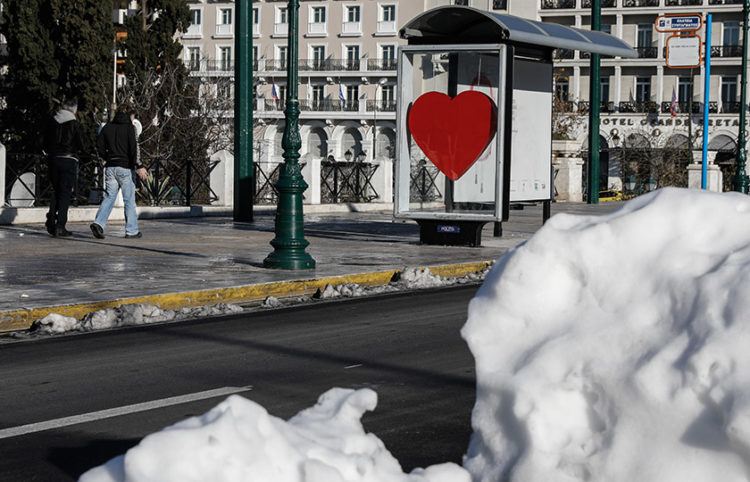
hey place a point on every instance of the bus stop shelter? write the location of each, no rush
(475, 99)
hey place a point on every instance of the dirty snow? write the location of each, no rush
(146, 313)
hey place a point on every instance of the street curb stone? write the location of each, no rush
(18, 320)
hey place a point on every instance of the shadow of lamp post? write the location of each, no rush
(290, 243)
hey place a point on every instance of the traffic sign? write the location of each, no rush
(684, 51)
(681, 22)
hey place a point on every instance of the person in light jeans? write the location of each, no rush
(117, 144)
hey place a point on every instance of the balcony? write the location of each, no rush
(207, 65)
(225, 29)
(281, 29)
(563, 54)
(640, 3)
(386, 27)
(351, 28)
(328, 65)
(558, 4)
(726, 51)
(604, 107)
(306, 105)
(317, 28)
(382, 64)
(605, 3)
(382, 105)
(647, 52)
(683, 3)
(682, 107)
(633, 107)
(725, 2)
(731, 107)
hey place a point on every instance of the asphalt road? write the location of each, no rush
(136, 381)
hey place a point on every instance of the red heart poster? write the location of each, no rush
(453, 132)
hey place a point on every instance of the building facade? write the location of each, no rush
(347, 70)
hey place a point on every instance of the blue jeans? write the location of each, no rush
(117, 178)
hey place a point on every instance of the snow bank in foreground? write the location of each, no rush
(615, 348)
(239, 441)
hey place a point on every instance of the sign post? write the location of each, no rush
(684, 52)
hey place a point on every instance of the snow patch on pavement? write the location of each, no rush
(239, 441)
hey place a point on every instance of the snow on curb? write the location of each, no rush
(126, 315)
(146, 313)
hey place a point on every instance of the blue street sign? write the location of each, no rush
(679, 23)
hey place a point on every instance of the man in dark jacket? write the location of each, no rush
(116, 144)
(64, 142)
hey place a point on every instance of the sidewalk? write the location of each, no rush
(208, 260)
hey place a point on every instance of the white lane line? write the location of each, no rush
(353, 366)
(116, 412)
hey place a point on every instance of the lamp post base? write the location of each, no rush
(289, 259)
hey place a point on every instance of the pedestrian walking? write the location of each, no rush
(64, 144)
(117, 145)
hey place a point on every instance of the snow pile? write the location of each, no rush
(615, 348)
(420, 278)
(55, 323)
(127, 315)
(239, 441)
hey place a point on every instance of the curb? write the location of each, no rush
(22, 319)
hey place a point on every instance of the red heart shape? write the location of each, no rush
(453, 132)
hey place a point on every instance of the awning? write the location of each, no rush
(460, 25)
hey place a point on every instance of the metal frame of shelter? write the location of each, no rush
(517, 42)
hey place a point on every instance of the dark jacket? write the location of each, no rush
(64, 137)
(116, 143)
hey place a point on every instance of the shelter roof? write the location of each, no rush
(460, 25)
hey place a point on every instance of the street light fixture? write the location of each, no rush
(380, 83)
(348, 155)
(362, 156)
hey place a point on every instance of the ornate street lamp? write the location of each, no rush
(290, 243)
(348, 155)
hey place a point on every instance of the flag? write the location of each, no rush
(673, 107)
(274, 92)
(342, 97)
(309, 91)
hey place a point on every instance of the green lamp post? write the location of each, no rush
(290, 243)
(244, 180)
(741, 180)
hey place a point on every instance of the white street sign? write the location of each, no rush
(684, 51)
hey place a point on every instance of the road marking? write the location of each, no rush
(353, 366)
(116, 412)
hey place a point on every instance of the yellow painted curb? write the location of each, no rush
(23, 319)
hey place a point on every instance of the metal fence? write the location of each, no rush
(423, 186)
(27, 181)
(347, 182)
(176, 183)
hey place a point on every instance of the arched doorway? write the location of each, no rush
(637, 161)
(317, 143)
(726, 150)
(351, 141)
(385, 144)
